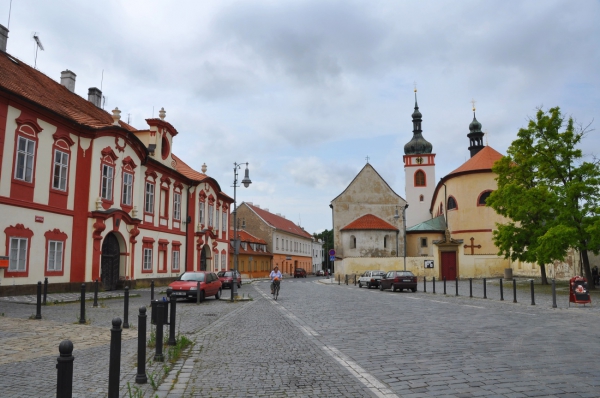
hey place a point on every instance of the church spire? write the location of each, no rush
(475, 134)
(418, 144)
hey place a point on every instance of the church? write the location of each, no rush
(446, 230)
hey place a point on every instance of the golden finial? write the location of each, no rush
(473, 102)
(415, 84)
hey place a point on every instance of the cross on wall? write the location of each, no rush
(472, 246)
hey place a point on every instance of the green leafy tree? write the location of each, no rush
(548, 193)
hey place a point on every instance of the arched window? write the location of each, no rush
(420, 178)
(421, 198)
(483, 198)
(452, 203)
(352, 242)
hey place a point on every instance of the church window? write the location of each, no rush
(423, 242)
(483, 198)
(352, 242)
(421, 198)
(385, 241)
(452, 203)
(420, 179)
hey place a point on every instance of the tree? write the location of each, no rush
(548, 193)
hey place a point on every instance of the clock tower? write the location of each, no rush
(419, 173)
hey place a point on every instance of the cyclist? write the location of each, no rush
(275, 278)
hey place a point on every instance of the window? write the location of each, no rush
(210, 214)
(107, 182)
(177, 206)
(483, 198)
(24, 161)
(352, 242)
(385, 241)
(420, 178)
(216, 260)
(127, 188)
(217, 219)
(149, 198)
(223, 260)
(175, 263)
(201, 213)
(421, 198)
(423, 242)
(147, 259)
(61, 166)
(277, 244)
(224, 221)
(451, 203)
(55, 255)
(18, 255)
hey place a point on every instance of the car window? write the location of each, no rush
(406, 273)
(221, 273)
(228, 274)
(188, 276)
(389, 275)
(378, 273)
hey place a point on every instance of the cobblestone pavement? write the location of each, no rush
(322, 340)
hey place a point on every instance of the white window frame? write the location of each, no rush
(60, 170)
(149, 198)
(108, 173)
(201, 213)
(127, 188)
(147, 259)
(216, 261)
(18, 254)
(211, 210)
(223, 261)
(224, 222)
(25, 160)
(176, 206)
(55, 255)
(175, 263)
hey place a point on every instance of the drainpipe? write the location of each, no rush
(187, 226)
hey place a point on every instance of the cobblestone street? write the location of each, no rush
(321, 340)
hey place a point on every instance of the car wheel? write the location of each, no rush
(393, 288)
(239, 285)
(218, 295)
(401, 290)
(202, 295)
(359, 284)
(381, 287)
(414, 289)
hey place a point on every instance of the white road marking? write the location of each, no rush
(437, 301)
(524, 313)
(474, 306)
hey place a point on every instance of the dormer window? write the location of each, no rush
(165, 147)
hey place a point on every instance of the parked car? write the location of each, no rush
(320, 273)
(398, 280)
(187, 285)
(370, 279)
(226, 278)
(299, 273)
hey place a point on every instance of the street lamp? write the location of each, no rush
(236, 244)
(404, 222)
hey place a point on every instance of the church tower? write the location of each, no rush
(419, 172)
(475, 135)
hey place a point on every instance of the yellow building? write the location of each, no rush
(254, 260)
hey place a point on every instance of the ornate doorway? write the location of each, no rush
(111, 258)
(203, 260)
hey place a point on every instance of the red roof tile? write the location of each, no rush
(23, 80)
(187, 171)
(483, 160)
(246, 237)
(369, 221)
(279, 222)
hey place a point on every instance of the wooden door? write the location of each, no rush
(111, 256)
(449, 265)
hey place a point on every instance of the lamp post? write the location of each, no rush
(236, 244)
(404, 223)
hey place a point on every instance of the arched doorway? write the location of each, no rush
(204, 259)
(111, 258)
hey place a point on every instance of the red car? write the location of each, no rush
(187, 285)
(299, 273)
(226, 278)
(398, 280)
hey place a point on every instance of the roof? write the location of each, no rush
(21, 79)
(247, 237)
(433, 225)
(356, 176)
(369, 221)
(281, 223)
(483, 160)
(187, 171)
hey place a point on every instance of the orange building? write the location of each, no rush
(254, 260)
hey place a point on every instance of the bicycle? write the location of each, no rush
(275, 287)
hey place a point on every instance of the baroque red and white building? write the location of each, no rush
(85, 196)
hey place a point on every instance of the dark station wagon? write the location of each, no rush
(398, 280)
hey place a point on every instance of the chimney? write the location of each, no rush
(95, 96)
(3, 38)
(257, 205)
(67, 79)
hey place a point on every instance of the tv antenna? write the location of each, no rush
(38, 46)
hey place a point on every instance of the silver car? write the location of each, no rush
(370, 279)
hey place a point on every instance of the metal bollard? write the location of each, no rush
(532, 298)
(346, 278)
(82, 311)
(339, 279)
(152, 290)
(141, 377)
(444, 285)
(198, 293)
(45, 290)
(484, 289)
(471, 287)
(160, 310)
(501, 291)
(434, 285)
(424, 284)
(172, 340)
(554, 293)
(114, 364)
(456, 286)
(38, 306)
(126, 309)
(96, 293)
(64, 366)
(514, 290)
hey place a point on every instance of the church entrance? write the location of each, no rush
(448, 265)
(111, 259)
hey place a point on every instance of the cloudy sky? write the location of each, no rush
(305, 90)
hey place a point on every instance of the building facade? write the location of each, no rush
(317, 255)
(254, 260)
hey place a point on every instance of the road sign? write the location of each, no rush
(332, 252)
(331, 258)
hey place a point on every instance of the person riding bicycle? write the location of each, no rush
(275, 278)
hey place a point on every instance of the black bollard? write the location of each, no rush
(114, 364)
(444, 285)
(339, 279)
(424, 284)
(354, 279)
(554, 293)
(501, 291)
(82, 312)
(532, 298)
(38, 306)
(126, 309)
(346, 277)
(456, 286)
(198, 293)
(172, 340)
(160, 311)
(152, 290)
(484, 289)
(64, 366)
(514, 291)
(434, 285)
(45, 290)
(141, 377)
(96, 293)
(471, 287)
